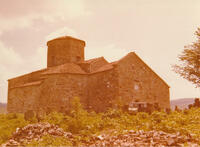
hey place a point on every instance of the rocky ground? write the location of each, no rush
(141, 138)
(128, 138)
(35, 132)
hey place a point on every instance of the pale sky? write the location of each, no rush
(157, 30)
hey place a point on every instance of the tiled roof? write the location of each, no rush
(93, 65)
(104, 68)
(28, 74)
(32, 83)
(93, 60)
(65, 37)
(114, 63)
(65, 68)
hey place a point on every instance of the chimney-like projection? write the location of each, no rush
(65, 50)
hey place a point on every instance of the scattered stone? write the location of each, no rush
(142, 138)
(170, 142)
(100, 137)
(131, 131)
(31, 132)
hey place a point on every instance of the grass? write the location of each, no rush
(83, 123)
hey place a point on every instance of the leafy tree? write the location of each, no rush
(190, 58)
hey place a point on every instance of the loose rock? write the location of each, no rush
(31, 132)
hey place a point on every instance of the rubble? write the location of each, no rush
(35, 132)
(25, 135)
(149, 138)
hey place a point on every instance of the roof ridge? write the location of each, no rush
(65, 37)
(93, 59)
(33, 83)
(65, 68)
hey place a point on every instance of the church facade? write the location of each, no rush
(98, 83)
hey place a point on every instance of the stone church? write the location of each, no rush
(98, 83)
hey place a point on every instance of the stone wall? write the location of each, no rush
(58, 90)
(102, 90)
(27, 78)
(138, 82)
(22, 92)
(130, 79)
(64, 50)
(22, 99)
(96, 65)
(96, 91)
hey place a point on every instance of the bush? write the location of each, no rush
(86, 124)
(9, 123)
(81, 122)
(51, 141)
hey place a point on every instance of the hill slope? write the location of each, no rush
(3, 107)
(181, 103)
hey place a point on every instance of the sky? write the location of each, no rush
(156, 30)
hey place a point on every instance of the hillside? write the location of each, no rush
(111, 128)
(2, 107)
(181, 103)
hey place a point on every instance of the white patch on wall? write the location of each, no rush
(136, 87)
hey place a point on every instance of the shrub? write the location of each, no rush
(51, 141)
(9, 123)
(86, 124)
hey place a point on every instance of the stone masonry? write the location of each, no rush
(98, 83)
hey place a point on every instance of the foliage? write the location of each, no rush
(9, 123)
(2, 110)
(85, 124)
(51, 141)
(190, 58)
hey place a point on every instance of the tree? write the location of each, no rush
(190, 58)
